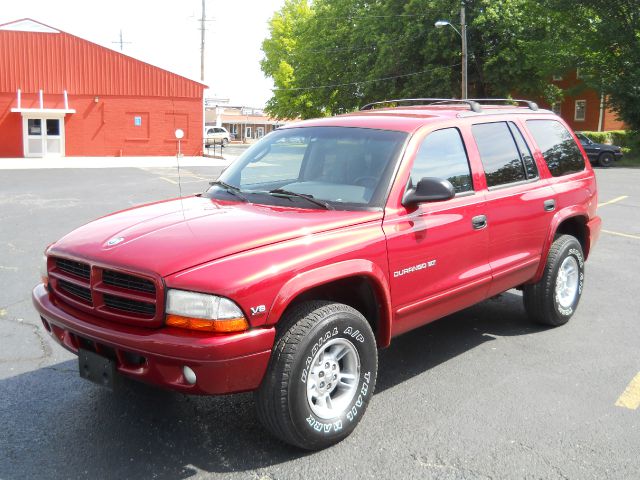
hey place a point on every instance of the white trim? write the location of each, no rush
(28, 25)
(43, 111)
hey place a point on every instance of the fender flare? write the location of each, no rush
(558, 218)
(328, 273)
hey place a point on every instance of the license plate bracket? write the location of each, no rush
(97, 369)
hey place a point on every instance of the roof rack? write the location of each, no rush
(529, 103)
(473, 104)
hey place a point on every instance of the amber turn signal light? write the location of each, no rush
(228, 325)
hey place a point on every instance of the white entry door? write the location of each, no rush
(43, 137)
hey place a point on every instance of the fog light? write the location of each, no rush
(189, 375)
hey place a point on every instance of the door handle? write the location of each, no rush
(549, 205)
(479, 222)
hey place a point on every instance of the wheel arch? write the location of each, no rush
(360, 284)
(570, 222)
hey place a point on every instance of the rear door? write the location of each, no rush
(520, 204)
(437, 257)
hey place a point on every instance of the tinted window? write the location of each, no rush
(529, 164)
(498, 152)
(557, 146)
(442, 155)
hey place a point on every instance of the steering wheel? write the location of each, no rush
(366, 181)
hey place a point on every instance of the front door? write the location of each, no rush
(43, 137)
(438, 251)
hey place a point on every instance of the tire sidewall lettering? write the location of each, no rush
(577, 254)
(346, 421)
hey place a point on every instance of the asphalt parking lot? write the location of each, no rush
(481, 394)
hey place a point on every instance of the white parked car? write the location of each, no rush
(216, 135)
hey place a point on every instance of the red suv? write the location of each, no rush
(320, 244)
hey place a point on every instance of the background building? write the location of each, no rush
(63, 95)
(584, 109)
(245, 124)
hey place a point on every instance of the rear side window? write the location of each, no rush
(557, 146)
(442, 155)
(529, 164)
(500, 156)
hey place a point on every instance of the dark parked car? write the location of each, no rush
(601, 153)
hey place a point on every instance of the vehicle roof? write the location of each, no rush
(408, 119)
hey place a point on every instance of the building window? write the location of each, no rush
(260, 132)
(557, 78)
(581, 109)
(247, 132)
(556, 108)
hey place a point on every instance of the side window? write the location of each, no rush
(529, 163)
(499, 154)
(557, 146)
(442, 155)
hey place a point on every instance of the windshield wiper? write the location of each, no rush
(235, 191)
(309, 198)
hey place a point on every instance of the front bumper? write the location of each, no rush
(222, 363)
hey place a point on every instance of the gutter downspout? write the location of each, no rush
(601, 117)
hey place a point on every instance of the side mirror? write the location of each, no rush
(429, 189)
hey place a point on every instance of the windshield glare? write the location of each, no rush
(346, 167)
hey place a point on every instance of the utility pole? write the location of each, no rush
(121, 42)
(202, 32)
(463, 34)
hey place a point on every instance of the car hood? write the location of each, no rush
(166, 237)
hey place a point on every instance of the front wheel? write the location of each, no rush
(321, 375)
(554, 298)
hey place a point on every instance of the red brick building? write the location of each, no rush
(61, 95)
(585, 110)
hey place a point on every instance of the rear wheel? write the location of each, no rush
(554, 299)
(225, 142)
(605, 159)
(321, 375)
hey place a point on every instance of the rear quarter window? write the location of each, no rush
(558, 148)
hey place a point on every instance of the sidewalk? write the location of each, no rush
(111, 162)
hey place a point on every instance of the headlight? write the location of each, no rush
(44, 273)
(199, 311)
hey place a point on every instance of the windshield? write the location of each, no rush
(333, 167)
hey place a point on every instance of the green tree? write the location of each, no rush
(332, 56)
(608, 51)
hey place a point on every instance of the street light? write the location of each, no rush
(463, 35)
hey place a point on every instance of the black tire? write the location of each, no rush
(225, 142)
(606, 159)
(541, 302)
(282, 404)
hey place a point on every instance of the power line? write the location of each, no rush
(337, 49)
(350, 17)
(364, 81)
